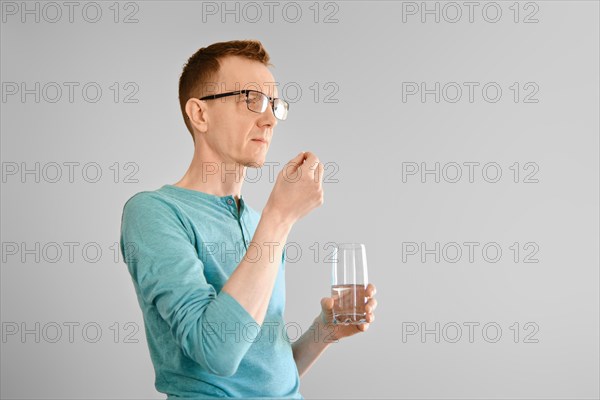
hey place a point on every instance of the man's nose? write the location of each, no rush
(268, 117)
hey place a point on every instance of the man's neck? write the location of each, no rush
(214, 178)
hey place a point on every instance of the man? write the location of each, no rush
(208, 270)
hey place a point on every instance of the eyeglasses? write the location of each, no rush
(258, 102)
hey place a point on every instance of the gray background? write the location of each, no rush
(366, 136)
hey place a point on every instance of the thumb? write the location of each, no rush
(297, 161)
(327, 303)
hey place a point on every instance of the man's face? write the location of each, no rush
(231, 127)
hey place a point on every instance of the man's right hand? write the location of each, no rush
(298, 189)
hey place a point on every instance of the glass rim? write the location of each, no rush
(350, 245)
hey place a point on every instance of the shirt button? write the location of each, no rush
(229, 201)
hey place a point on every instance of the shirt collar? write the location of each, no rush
(198, 195)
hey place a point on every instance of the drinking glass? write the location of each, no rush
(349, 281)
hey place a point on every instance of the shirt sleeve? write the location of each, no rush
(162, 260)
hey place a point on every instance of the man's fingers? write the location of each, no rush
(296, 162)
(371, 305)
(371, 290)
(363, 327)
(311, 161)
(310, 157)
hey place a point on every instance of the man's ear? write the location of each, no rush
(197, 114)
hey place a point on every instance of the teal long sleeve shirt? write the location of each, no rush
(180, 247)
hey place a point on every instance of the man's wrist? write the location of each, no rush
(327, 331)
(277, 218)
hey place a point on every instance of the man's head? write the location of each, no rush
(225, 127)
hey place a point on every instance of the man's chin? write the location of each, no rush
(255, 164)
